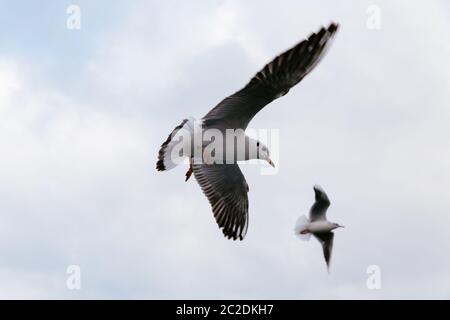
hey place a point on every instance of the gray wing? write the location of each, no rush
(326, 240)
(318, 210)
(226, 189)
(272, 82)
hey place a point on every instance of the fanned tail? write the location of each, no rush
(300, 229)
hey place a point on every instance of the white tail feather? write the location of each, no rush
(301, 226)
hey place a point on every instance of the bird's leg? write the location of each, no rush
(189, 172)
(207, 159)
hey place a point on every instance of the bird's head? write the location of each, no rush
(337, 225)
(263, 152)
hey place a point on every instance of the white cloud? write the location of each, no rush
(78, 181)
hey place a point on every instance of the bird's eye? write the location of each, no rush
(257, 144)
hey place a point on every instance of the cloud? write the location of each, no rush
(369, 124)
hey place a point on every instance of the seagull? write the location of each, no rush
(223, 183)
(318, 225)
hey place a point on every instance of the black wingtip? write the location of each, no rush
(232, 236)
(318, 189)
(160, 165)
(333, 27)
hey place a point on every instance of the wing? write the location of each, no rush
(318, 210)
(272, 82)
(226, 189)
(326, 240)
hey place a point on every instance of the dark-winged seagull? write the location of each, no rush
(223, 183)
(318, 225)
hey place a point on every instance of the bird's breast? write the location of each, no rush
(320, 226)
(226, 149)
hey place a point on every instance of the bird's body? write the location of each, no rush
(319, 227)
(317, 224)
(197, 143)
(213, 161)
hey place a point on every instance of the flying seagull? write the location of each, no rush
(223, 183)
(317, 224)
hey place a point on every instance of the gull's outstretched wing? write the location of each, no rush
(272, 82)
(226, 189)
(318, 210)
(326, 240)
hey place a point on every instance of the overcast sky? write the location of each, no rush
(83, 113)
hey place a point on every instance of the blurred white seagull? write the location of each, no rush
(223, 182)
(318, 225)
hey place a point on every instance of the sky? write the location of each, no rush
(84, 111)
